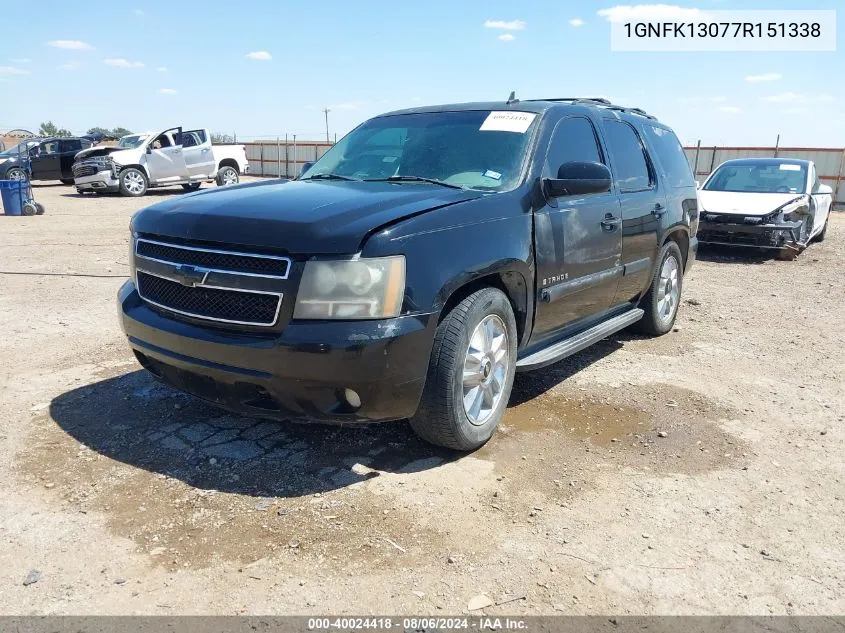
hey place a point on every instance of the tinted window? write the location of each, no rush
(71, 145)
(573, 140)
(629, 165)
(671, 155)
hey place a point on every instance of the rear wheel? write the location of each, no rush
(661, 301)
(227, 175)
(133, 182)
(29, 208)
(470, 373)
(16, 173)
(192, 186)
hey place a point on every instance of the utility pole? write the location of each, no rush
(326, 111)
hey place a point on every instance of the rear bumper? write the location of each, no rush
(304, 373)
(774, 236)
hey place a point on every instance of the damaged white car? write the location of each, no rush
(171, 157)
(770, 203)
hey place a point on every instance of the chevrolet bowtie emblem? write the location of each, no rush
(190, 276)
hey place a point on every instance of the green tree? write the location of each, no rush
(50, 129)
(220, 137)
(120, 131)
(99, 130)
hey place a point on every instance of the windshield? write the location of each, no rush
(131, 142)
(768, 177)
(20, 148)
(477, 149)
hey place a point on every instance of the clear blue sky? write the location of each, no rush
(155, 64)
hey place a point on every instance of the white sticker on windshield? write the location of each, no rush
(507, 122)
(790, 167)
(495, 175)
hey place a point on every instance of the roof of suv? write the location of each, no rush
(539, 106)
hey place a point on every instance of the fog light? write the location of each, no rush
(352, 398)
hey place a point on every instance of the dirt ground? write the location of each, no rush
(698, 473)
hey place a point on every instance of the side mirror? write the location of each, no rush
(149, 149)
(305, 167)
(825, 189)
(578, 178)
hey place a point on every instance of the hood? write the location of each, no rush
(120, 155)
(742, 202)
(299, 217)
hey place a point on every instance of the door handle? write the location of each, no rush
(609, 223)
(659, 209)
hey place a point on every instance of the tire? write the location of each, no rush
(659, 316)
(442, 417)
(786, 255)
(227, 176)
(820, 237)
(29, 208)
(67, 182)
(16, 173)
(192, 186)
(133, 182)
(39, 208)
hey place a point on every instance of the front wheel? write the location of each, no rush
(470, 373)
(133, 182)
(660, 302)
(227, 176)
(16, 173)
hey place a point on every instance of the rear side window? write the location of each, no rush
(573, 140)
(630, 168)
(671, 156)
(70, 145)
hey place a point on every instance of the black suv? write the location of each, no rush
(413, 269)
(48, 158)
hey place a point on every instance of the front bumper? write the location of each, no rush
(302, 373)
(101, 181)
(781, 235)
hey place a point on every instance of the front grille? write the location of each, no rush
(82, 170)
(216, 260)
(230, 306)
(731, 218)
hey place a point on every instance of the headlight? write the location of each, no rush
(351, 289)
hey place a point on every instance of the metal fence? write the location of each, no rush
(282, 157)
(830, 163)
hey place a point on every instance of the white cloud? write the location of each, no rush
(731, 109)
(718, 99)
(794, 97)
(71, 45)
(507, 37)
(119, 62)
(763, 77)
(348, 105)
(71, 65)
(20, 60)
(11, 70)
(512, 25)
(138, 11)
(795, 111)
(259, 55)
(576, 22)
(167, 91)
(162, 69)
(648, 13)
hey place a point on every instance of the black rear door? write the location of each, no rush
(68, 149)
(643, 203)
(577, 239)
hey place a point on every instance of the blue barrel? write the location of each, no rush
(13, 194)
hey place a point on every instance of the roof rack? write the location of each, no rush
(600, 102)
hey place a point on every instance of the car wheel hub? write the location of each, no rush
(668, 289)
(485, 369)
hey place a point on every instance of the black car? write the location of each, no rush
(49, 158)
(413, 269)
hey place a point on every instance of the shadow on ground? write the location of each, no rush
(735, 255)
(136, 420)
(151, 193)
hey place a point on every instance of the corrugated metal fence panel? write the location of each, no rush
(830, 163)
(272, 158)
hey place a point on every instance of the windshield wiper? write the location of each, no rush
(330, 177)
(432, 181)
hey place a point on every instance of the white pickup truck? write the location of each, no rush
(171, 157)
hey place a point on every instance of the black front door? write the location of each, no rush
(68, 149)
(578, 241)
(44, 161)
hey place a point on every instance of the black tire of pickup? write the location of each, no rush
(652, 323)
(441, 418)
(138, 185)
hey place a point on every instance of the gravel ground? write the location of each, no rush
(698, 473)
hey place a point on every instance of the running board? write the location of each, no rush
(569, 346)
